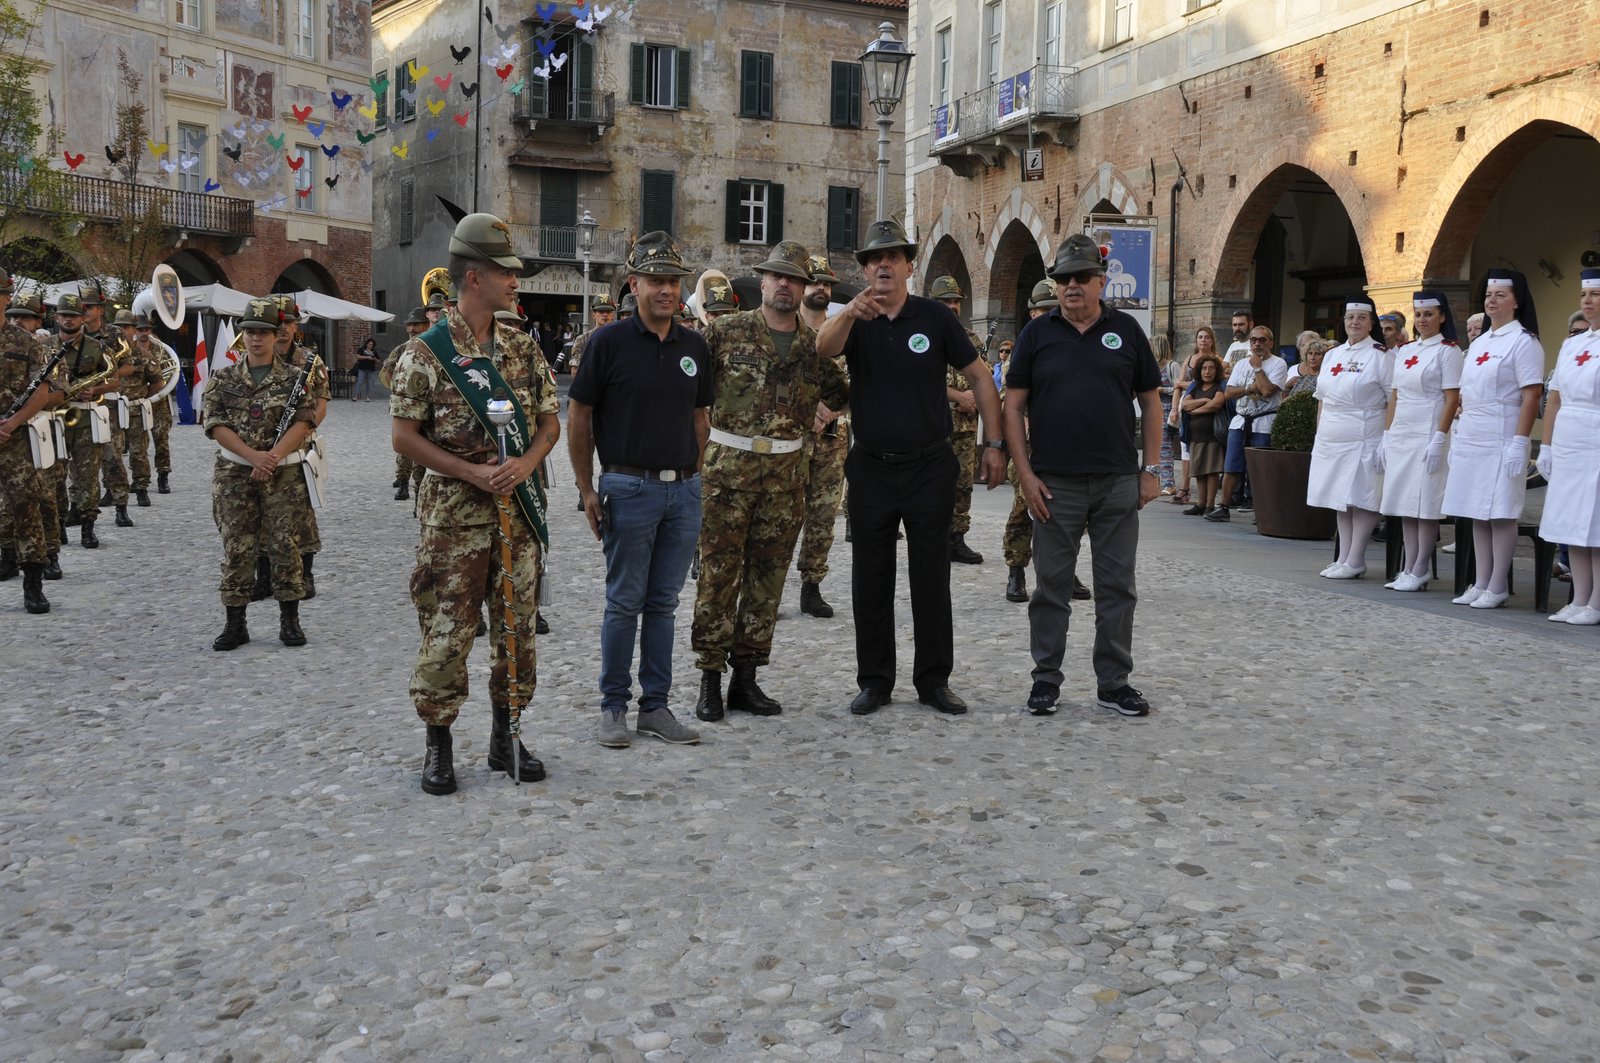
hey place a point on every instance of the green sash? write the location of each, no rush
(478, 380)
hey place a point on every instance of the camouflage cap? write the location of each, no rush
(485, 238)
(1043, 296)
(629, 305)
(603, 305)
(92, 294)
(30, 305)
(789, 259)
(69, 304)
(418, 316)
(656, 255)
(945, 288)
(819, 269)
(1077, 254)
(124, 317)
(721, 299)
(885, 235)
(262, 313)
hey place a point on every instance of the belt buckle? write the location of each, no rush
(667, 476)
(761, 445)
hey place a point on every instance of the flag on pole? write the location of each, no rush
(202, 369)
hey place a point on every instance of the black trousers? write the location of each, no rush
(918, 492)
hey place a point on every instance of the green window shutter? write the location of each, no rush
(636, 71)
(535, 94)
(836, 217)
(838, 96)
(774, 213)
(655, 196)
(682, 102)
(845, 109)
(766, 84)
(749, 85)
(854, 78)
(558, 197)
(731, 214)
(584, 82)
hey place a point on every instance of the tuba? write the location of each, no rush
(435, 282)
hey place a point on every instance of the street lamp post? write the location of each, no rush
(886, 62)
(586, 227)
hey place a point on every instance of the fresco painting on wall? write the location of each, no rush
(252, 91)
(248, 18)
(351, 23)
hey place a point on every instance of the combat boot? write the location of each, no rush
(438, 767)
(305, 576)
(811, 601)
(86, 534)
(1017, 584)
(8, 562)
(263, 588)
(399, 481)
(500, 758)
(141, 495)
(745, 696)
(52, 565)
(961, 553)
(540, 625)
(234, 634)
(163, 487)
(402, 492)
(33, 598)
(289, 632)
(123, 520)
(709, 707)
(73, 518)
(106, 499)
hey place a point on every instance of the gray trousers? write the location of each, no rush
(1108, 507)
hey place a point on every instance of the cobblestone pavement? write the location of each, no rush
(1354, 827)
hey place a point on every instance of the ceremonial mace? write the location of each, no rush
(501, 412)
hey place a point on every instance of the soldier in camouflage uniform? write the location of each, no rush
(406, 471)
(964, 433)
(827, 444)
(161, 437)
(136, 388)
(257, 485)
(84, 358)
(602, 313)
(769, 380)
(26, 498)
(27, 314)
(459, 552)
(113, 472)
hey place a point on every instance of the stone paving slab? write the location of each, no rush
(1354, 827)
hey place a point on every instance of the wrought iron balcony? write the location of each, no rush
(102, 199)
(559, 243)
(556, 105)
(985, 124)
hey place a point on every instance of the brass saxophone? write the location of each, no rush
(78, 388)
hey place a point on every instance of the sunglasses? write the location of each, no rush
(1082, 277)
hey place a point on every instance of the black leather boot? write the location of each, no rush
(500, 758)
(73, 518)
(402, 492)
(8, 562)
(305, 576)
(745, 696)
(399, 481)
(709, 707)
(1017, 584)
(163, 487)
(123, 520)
(86, 534)
(438, 764)
(141, 495)
(52, 565)
(106, 499)
(263, 588)
(1079, 591)
(961, 553)
(289, 632)
(540, 625)
(234, 634)
(33, 598)
(811, 601)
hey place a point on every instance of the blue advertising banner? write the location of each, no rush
(1130, 266)
(1008, 89)
(941, 121)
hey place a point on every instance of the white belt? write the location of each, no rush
(82, 405)
(292, 459)
(756, 444)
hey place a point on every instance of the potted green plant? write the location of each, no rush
(1279, 476)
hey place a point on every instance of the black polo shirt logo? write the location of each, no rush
(687, 365)
(1111, 341)
(918, 343)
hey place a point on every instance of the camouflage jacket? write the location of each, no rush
(577, 352)
(960, 420)
(317, 385)
(84, 358)
(21, 358)
(422, 391)
(148, 379)
(234, 400)
(759, 394)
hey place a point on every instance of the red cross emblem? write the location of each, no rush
(1411, 363)
(1336, 370)
(1482, 358)
(1584, 357)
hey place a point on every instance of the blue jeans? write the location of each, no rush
(1233, 460)
(650, 533)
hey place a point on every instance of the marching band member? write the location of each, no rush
(1500, 384)
(1425, 398)
(1571, 460)
(23, 491)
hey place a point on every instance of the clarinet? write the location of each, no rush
(22, 400)
(994, 323)
(295, 396)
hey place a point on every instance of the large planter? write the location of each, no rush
(1278, 480)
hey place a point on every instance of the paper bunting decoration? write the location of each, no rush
(167, 166)
(73, 161)
(434, 107)
(317, 128)
(502, 72)
(114, 156)
(341, 100)
(234, 152)
(331, 182)
(302, 192)
(517, 86)
(212, 186)
(330, 152)
(300, 113)
(468, 90)
(379, 84)
(27, 163)
(444, 81)
(409, 95)
(544, 12)
(195, 139)
(157, 150)
(370, 111)
(461, 119)
(545, 46)
(417, 72)
(366, 138)
(295, 162)
(276, 142)
(402, 149)
(459, 54)
(187, 162)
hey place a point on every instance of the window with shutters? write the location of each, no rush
(558, 197)
(192, 171)
(846, 105)
(655, 200)
(754, 212)
(1052, 35)
(755, 84)
(407, 222)
(844, 218)
(659, 76)
(381, 100)
(305, 178)
(405, 93)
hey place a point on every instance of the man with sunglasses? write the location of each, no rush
(1073, 373)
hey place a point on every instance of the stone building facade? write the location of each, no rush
(731, 123)
(1323, 147)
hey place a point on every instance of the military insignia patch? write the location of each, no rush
(255, 411)
(919, 344)
(687, 365)
(463, 361)
(1111, 341)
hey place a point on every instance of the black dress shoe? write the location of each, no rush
(1079, 591)
(945, 700)
(868, 702)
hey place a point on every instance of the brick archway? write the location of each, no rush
(1233, 247)
(948, 258)
(1492, 152)
(1111, 185)
(1016, 212)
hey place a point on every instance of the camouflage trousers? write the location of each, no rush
(1017, 541)
(22, 495)
(457, 567)
(825, 456)
(256, 515)
(55, 478)
(83, 466)
(112, 470)
(306, 532)
(966, 448)
(160, 434)
(406, 469)
(138, 442)
(746, 541)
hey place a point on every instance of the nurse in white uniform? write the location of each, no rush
(1347, 458)
(1425, 397)
(1571, 460)
(1500, 384)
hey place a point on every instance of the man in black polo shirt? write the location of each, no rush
(643, 397)
(902, 468)
(1074, 373)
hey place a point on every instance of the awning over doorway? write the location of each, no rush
(330, 308)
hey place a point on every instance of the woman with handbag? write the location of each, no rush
(1205, 426)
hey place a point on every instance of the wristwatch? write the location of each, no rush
(995, 444)
(1151, 470)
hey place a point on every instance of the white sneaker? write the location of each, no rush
(1490, 600)
(1468, 596)
(1346, 572)
(1565, 613)
(1585, 617)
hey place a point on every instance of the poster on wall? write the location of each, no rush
(1130, 264)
